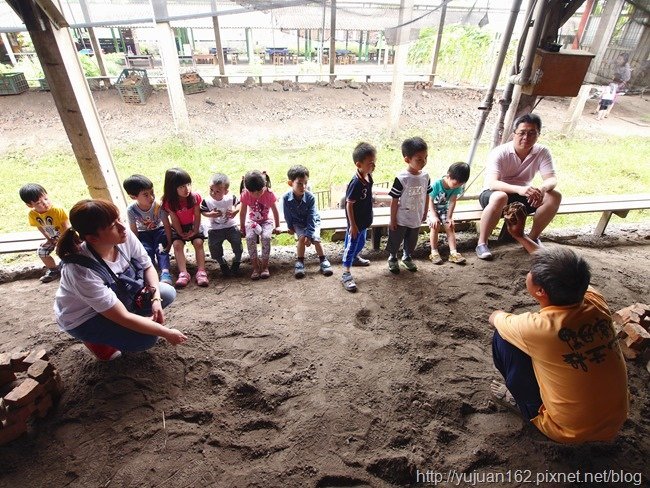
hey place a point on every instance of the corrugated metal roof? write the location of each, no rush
(234, 15)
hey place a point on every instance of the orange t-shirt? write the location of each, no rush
(579, 367)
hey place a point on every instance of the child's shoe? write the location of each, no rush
(50, 275)
(348, 282)
(265, 273)
(326, 268)
(183, 279)
(202, 278)
(255, 275)
(166, 277)
(225, 269)
(435, 257)
(409, 264)
(393, 266)
(299, 269)
(359, 261)
(103, 352)
(456, 258)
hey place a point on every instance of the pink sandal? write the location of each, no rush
(202, 278)
(183, 279)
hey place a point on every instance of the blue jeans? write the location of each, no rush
(151, 241)
(100, 330)
(516, 367)
(352, 247)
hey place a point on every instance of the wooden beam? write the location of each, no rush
(608, 19)
(217, 39)
(575, 110)
(436, 50)
(7, 45)
(97, 50)
(53, 13)
(172, 68)
(399, 66)
(74, 102)
(333, 41)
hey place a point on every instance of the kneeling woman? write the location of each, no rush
(109, 297)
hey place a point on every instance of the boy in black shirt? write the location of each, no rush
(358, 209)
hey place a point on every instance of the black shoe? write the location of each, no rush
(50, 275)
(234, 270)
(359, 261)
(225, 269)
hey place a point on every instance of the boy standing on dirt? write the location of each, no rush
(51, 221)
(562, 366)
(358, 211)
(409, 205)
(149, 222)
(444, 194)
(301, 214)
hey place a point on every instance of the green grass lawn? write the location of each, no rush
(585, 164)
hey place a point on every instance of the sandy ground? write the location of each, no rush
(318, 113)
(298, 383)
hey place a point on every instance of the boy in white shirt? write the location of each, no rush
(221, 209)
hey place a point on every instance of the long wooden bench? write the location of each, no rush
(466, 211)
(470, 211)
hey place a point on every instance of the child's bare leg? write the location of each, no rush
(200, 253)
(300, 248)
(319, 249)
(179, 254)
(48, 261)
(451, 238)
(433, 239)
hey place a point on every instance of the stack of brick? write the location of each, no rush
(632, 325)
(29, 385)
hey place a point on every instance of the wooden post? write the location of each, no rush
(575, 110)
(436, 51)
(172, 68)
(250, 52)
(606, 26)
(217, 39)
(10, 52)
(399, 66)
(589, 6)
(97, 49)
(360, 44)
(74, 102)
(333, 41)
(297, 42)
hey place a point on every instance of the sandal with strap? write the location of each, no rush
(502, 396)
(183, 279)
(265, 273)
(202, 278)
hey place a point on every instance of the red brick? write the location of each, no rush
(43, 406)
(5, 389)
(629, 354)
(17, 359)
(5, 362)
(640, 309)
(40, 370)
(6, 377)
(10, 432)
(24, 394)
(637, 337)
(34, 355)
(21, 414)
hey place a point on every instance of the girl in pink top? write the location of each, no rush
(256, 201)
(183, 207)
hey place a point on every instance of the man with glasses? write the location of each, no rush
(509, 172)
